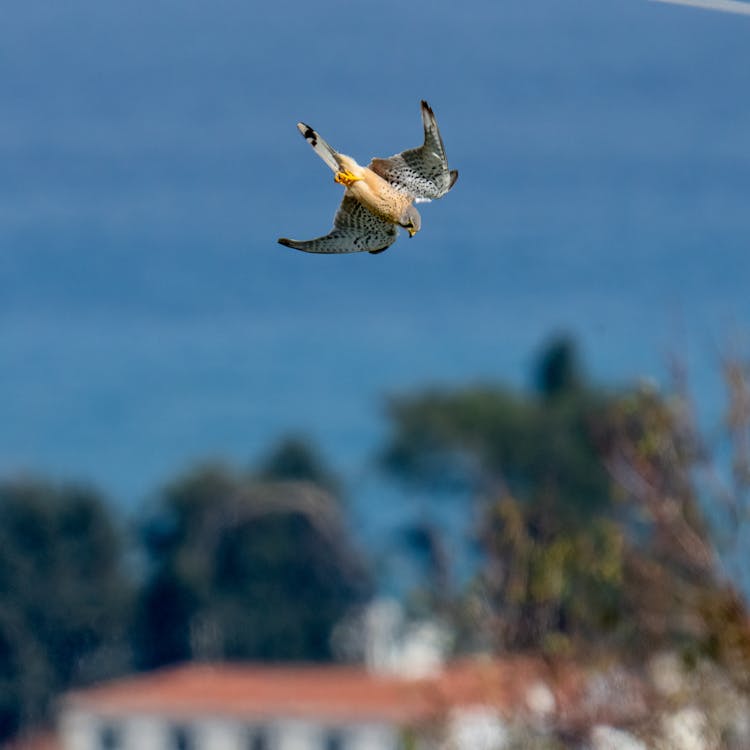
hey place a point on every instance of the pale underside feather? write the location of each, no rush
(321, 148)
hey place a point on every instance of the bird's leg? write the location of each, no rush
(345, 177)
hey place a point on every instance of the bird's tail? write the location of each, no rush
(321, 148)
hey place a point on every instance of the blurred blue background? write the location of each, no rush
(150, 160)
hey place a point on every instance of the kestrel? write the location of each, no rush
(380, 197)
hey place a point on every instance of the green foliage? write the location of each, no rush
(237, 566)
(558, 372)
(296, 458)
(242, 569)
(676, 593)
(559, 586)
(568, 547)
(538, 448)
(589, 525)
(64, 598)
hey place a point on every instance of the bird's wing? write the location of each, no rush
(421, 172)
(321, 148)
(355, 230)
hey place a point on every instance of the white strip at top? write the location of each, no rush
(725, 6)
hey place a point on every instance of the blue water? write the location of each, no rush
(149, 160)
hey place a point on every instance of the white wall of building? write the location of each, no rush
(140, 733)
(81, 730)
(77, 730)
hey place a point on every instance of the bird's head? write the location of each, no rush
(410, 220)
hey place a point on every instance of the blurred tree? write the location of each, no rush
(64, 597)
(296, 458)
(558, 370)
(491, 437)
(682, 585)
(567, 551)
(244, 569)
(423, 553)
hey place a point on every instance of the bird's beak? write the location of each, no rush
(411, 231)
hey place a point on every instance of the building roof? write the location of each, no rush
(514, 686)
(321, 691)
(35, 741)
(248, 691)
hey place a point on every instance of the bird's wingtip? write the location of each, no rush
(308, 133)
(454, 177)
(285, 242)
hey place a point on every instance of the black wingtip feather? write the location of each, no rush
(285, 242)
(308, 133)
(454, 177)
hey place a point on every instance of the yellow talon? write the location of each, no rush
(345, 177)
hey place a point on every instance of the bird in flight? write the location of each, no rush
(380, 197)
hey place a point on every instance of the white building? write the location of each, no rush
(467, 705)
(249, 707)
(202, 707)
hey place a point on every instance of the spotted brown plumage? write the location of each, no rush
(420, 172)
(381, 196)
(355, 229)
